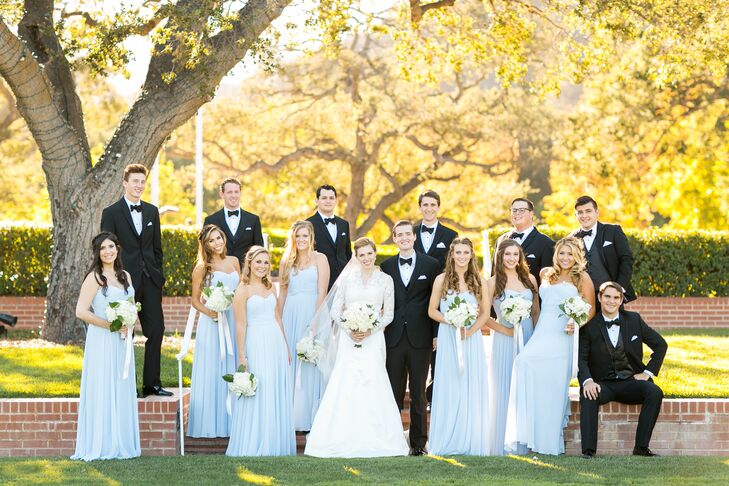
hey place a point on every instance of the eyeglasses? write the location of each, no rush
(519, 210)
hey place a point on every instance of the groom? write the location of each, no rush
(409, 337)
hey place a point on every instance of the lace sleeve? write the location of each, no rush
(388, 301)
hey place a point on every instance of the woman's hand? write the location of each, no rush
(243, 361)
(212, 314)
(123, 331)
(570, 328)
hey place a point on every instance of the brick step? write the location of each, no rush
(218, 445)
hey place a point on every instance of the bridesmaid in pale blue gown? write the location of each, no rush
(511, 279)
(304, 277)
(459, 419)
(208, 416)
(539, 405)
(108, 424)
(262, 425)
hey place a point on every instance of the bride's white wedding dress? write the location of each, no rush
(358, 416)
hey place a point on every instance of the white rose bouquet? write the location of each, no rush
(359, 317)
(243, 383)
(516, 309)
(309, 350)
(576, 309)
(218, 298)
(461, 313)
(122, 313)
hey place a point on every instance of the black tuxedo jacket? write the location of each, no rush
(139, 253)
(337, 252)
(612, 246)
(441, 242)
(595, 354)
(538, 251)
(411, 302)
(248, 234)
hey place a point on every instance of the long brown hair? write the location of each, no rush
(578, 253)
(253, 252)
(97, 267)
(522, 268)
(291, 257)
(205, 253)
(472, 275)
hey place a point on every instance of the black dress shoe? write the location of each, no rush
(155, 390)
(588, 454)
(418, 451)
(643, 451)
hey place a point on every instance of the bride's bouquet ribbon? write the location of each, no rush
(129, 352)
(225, 341)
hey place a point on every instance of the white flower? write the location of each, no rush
(309, 350)
(516, 309)
(122, 313)
(359, 317)
(576, 309)
(218, 298)
(461, 313)
(244, 384)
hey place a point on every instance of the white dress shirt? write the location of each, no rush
(136, 215)
(589, 239)
(613, 331)
(232, 221)
(331, 227)
(427, 238)
(406, 271)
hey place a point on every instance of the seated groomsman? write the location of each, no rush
(606, 248)
(538, 247)
(331, 233)
(431, 236)
(611, 368)
(242, 229)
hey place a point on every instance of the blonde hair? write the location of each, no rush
(472, 275)
(253, 252)
(578, 253)
(291, 257)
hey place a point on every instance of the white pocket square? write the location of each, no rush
(440, 245)
(633, 338)
(248, 228)
(607, 243)
(149, 224)
(344, 234)
(531, 255)
(422, 277)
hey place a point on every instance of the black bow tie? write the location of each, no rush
(233, 213)
(614, 322)
(515, 235)
(425, 229)
(133, 208)
(406, 261)
(330, 221)
(583, 233)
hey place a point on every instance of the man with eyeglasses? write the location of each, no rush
(538, 247)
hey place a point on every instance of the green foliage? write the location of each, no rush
(25, 256)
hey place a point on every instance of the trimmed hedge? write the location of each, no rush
(667, 262)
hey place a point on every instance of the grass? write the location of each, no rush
(697, 365)
(220, 470)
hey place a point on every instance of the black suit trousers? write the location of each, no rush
(631, 391)
(153, 328)
(406, 363)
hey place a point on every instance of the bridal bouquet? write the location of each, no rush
(309, 350)
(516, 309)
(576, 309)
(218, 298)
(461, 313)
(243, 383)
(359, 317)
(122, 313)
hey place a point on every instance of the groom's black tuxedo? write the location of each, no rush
(338, 252)
(142, 258)
(442, 239)
(409, 339)
(613, 367)
(614, 253)
(248, 233)
(538, 250)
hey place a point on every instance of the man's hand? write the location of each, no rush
(591, 390)
(435, 343)
(642, 376)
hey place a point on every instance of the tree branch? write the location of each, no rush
(417, 9)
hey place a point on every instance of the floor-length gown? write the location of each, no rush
(298, 311)
(502, 363)
(263, 425)
(459, 416)
(539, 401)
(358, 416)
(108, 424)
(208, 416)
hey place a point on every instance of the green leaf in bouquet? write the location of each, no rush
(228, 377)
(116, 324)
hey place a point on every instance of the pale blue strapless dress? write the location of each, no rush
(108, 424)
(208, 416)
(502, 362)
(298, 311)
(263, 425)
(539, 401)
(459, 410)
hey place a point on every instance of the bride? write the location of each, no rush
(358, 416)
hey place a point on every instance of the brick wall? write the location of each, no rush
(660, 312)
(47, 426)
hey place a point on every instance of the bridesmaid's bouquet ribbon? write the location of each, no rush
(461, 314)
(242, 383)
(359, 317)
(514, 310)
(124, 313)
(576, 310)
(219, 298)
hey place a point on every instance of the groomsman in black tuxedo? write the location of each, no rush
(611, 368)
(538, 247)
(431, 236)
(410, 337)
(331, 233)
(242, 229)
(136, 224)
(606, 248)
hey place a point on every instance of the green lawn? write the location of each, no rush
(697, 365)
(219, 470)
